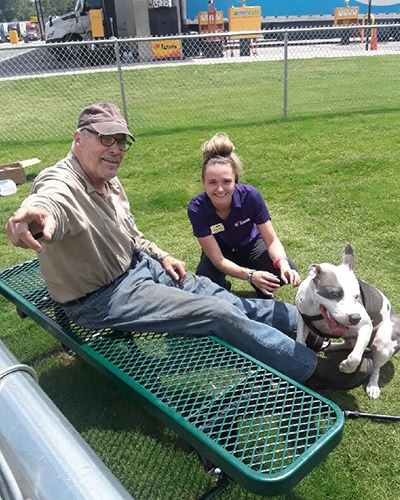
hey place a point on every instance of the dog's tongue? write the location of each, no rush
(336, 328)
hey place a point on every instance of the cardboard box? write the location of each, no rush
(16, 171)
(13, 171)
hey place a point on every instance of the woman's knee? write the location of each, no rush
(206, 268)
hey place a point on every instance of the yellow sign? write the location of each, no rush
(166, 49)
(34, 19)
(96, 21)
(346, 15)
(244, 19)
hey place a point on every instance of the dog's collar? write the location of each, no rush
(317, 317)
(308, 321)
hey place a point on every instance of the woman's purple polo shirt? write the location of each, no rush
(239, 230)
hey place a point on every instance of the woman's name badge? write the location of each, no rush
(217, 228)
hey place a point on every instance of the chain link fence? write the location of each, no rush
(199, 80)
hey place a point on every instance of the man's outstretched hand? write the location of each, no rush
(28, 223)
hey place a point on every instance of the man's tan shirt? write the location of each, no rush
(95, 235)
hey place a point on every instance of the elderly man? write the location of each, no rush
(105, 273)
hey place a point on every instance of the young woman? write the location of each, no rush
(234, 228)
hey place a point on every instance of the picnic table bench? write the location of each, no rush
(262, 429)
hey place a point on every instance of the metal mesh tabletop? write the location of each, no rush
(263, 429)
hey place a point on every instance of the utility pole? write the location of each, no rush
(368, 22)
(39, 14)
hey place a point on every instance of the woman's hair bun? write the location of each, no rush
(219, 145)
(220, 150)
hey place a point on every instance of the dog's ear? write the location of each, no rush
(314, 271)
(348, 257)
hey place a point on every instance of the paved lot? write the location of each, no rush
(26, 60)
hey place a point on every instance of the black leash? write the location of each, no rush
(372, 416)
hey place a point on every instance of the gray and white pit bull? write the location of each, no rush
(334, 303)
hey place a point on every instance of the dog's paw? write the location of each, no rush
(373, 390)
(349, 365)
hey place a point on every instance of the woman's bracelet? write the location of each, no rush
(276, 261)
(250, 275)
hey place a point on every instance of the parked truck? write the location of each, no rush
(31, 32)
(121, 18)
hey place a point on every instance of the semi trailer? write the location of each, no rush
(141, 18)
(292, 13)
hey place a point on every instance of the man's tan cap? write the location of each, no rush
(104, 118)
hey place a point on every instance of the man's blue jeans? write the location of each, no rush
(147, 299)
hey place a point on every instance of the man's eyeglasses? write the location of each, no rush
(109, 140)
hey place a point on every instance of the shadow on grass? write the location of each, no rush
(240, 124)
(386, 374)
(31, 177)
(346, 400)
(298, 117)
(141, 452)
(88, 398)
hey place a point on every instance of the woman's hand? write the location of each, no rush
(289, 275)
(276, 251)
(266, 282)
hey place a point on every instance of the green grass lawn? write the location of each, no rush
(328, 179)
(165, 98)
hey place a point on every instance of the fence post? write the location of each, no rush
(285, 74)
(121, 81)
